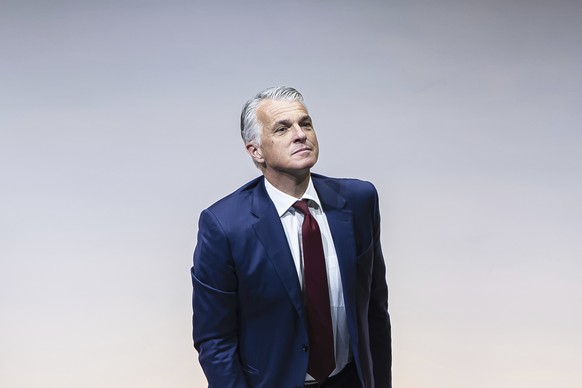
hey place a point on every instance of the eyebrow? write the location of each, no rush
(288, 123)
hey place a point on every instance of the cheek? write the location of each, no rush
(268, 146)
(313, 139)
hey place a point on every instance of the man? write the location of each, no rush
(288, 276)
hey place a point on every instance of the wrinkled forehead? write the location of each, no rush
(272, 111)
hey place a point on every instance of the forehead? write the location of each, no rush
(272, 111)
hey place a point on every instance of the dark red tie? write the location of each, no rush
(316, 292)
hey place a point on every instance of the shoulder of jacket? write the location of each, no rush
(237, 197)
(358, 186)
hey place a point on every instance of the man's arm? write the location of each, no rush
(378, 318)
(214, 304)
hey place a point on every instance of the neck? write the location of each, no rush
(293, 185)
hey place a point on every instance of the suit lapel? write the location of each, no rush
(270, 232)
(272, 236)
(341, 225)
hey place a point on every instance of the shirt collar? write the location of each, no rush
(283, 201)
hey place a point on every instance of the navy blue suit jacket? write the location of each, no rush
(249, 321)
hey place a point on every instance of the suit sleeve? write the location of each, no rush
(214, 305)
(378, 318)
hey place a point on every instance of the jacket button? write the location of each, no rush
(305, 348)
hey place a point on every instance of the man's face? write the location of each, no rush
(288, 142)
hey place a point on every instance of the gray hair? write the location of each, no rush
(250, 129)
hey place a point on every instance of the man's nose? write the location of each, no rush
(299, 133)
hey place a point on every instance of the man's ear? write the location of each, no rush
(255, 152)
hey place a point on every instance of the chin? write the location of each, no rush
(307, 164)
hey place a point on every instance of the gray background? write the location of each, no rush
(119, 124)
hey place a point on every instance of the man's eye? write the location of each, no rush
(281, 129)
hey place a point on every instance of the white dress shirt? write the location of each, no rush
(292, 221)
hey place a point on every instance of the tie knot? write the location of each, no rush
(302, 206)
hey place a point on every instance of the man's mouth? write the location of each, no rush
(301, 150)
